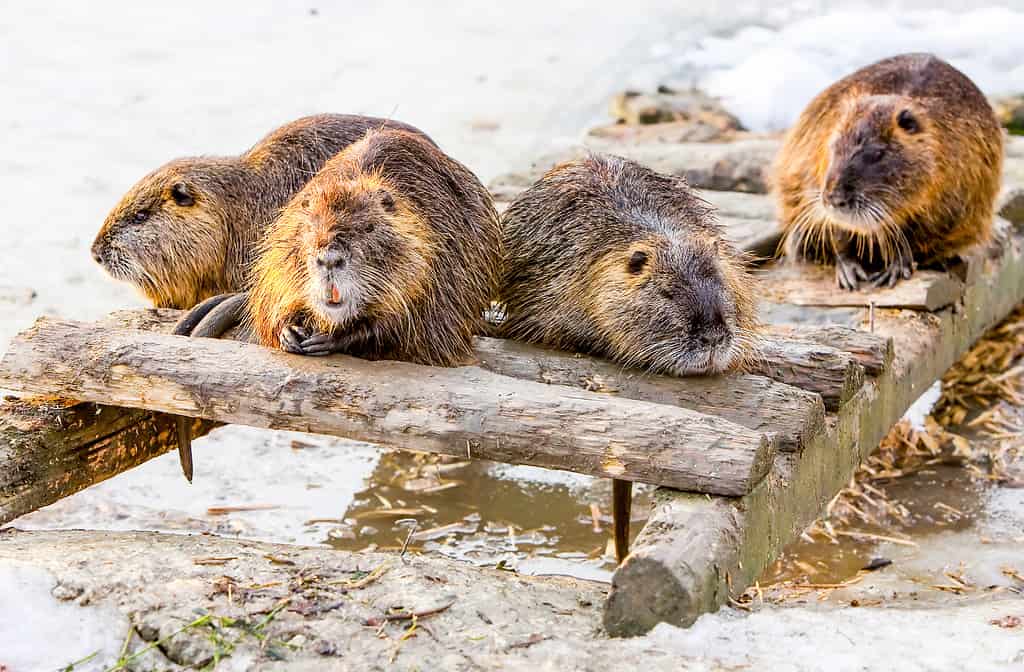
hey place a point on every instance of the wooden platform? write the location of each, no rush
(759, 454)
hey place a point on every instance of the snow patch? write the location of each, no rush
(766, 76)
(920, 409)
(38, 632)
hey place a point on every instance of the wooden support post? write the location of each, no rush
(622, 508)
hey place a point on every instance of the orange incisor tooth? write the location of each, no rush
(335, 294)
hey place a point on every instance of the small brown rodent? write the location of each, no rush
(607, 257)
(187, 230)
(390, 252)
(895, 165)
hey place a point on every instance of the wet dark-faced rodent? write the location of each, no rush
(187, 231)
(895, 165)
(607, 257)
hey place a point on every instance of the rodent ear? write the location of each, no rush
(908, 122)
(637, 262)
(387, 201)
(182, 195)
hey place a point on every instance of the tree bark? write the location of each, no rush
(461, 411)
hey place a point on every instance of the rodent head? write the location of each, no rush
(878, 162)
(169, 235)
(365, 251)
(669, 305)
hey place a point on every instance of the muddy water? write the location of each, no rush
(959, 538)
(486, 513)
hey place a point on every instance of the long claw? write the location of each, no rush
(849, 273)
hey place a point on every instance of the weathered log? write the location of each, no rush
(721, 546)
(757, 207)
(754, 401)
(678, 565)
(872, 351)
(461, 411)
(741, 165)
(759, 238)
(807, 285)
(51, 449)
(832, 373)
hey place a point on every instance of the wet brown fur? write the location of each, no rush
(567, 280)
(939, 204)
(183, 254)
(429, 268)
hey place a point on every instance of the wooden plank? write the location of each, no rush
(807, 285)
(51, 449)
(758, 402)
(461, 411)
(667, 578)
(872, 351)
(832, 373)
(741, 165)
(755, 402)
(757, 237)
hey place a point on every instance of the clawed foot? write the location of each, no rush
(900, 269)
(849, 273)
(299, 341)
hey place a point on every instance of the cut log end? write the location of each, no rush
(645, 593)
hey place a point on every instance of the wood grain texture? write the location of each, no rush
(737, 166)
(50, 449)
(806, 285)
(757, 402)
(834, 374)
(872, 351)
(460, 411)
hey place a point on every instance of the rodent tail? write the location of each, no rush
(210, 319)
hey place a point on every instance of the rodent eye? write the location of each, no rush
(908, 122)
(637, 261)
(182, 195)
(140, 216)
(387, 201)
(666, 293)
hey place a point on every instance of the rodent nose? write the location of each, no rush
(711, 330)
(710, 338)
(841, 196)
(96, 255)
(331, 259)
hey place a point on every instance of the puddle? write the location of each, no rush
(959, 539)
(537, 521)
